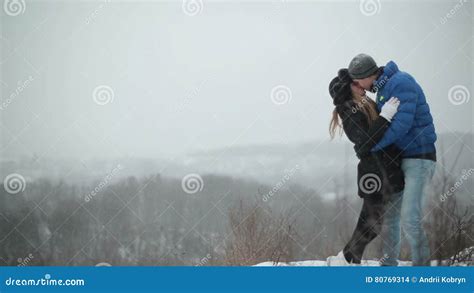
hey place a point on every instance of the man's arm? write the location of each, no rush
(403, 120)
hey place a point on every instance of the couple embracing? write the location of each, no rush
(394, 140)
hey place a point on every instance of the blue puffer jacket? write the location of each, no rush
(412, 129)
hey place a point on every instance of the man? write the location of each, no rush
(413, 132)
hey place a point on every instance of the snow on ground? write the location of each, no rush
(463, 258)
(323, 263)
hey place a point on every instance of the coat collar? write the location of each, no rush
(388, 71)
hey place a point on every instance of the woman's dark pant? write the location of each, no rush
(368, 227)
(370, 223)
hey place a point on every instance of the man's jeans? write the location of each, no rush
(391, 230)
(418, 174)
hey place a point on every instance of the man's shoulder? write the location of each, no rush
(401, 80)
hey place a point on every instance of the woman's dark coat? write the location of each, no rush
(378, 172)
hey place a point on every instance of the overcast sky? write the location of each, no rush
(96, 79)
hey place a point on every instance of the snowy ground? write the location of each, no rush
(367, 263)
(323, 263)
(464, 258)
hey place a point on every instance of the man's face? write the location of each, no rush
(365, 83)
(358, 90)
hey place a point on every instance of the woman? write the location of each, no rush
(379, 174)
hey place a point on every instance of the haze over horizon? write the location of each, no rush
(177, 81)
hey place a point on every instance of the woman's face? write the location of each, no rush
(357, 90)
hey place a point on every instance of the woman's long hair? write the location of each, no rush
(363, 104)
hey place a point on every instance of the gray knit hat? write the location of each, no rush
(362, 66)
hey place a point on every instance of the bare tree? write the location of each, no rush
(258, 236)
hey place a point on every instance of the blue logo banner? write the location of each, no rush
(237, 279)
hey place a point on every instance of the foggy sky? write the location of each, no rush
(193, 82)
